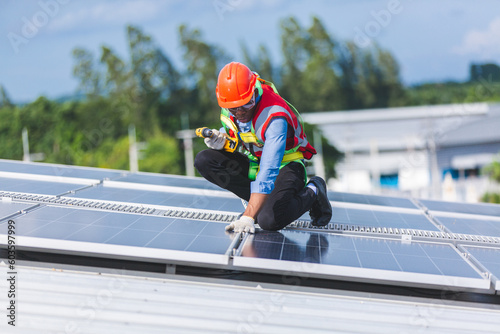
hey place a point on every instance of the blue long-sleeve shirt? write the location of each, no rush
(272, 154)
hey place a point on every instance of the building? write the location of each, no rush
(425, 151)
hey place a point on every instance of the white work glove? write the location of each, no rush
(217, 141)
(243, 224)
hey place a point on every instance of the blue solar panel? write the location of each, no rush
(371, 199)
(362, 257)
(168, 180)
(325, 249)
(101, 227)
(37, 187)
(58, 170)
(199, 200)
(477, 208)
(372, 218)
(482, 227)
(10, 208)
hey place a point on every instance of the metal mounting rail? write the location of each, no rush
(201, 215)
(406, 234)
(95, 204)
(198, 214)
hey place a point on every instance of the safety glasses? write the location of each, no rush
(244, 108)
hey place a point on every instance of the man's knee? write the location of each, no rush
(267, 221)
(201, 161)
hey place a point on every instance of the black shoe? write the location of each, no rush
(321, 210)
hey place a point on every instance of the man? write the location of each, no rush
(269, 171)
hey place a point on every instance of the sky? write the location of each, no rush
(432, 40)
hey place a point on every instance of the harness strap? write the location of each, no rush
(249, 138)
(229, 123)
(254, 168)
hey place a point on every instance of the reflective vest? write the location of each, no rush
(270, 106)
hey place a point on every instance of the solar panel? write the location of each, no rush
(371, 199)
(9, 208)
(197, 199)
(58, 170)
(169, 180)
(481, 226)
(487, 257)
(37, 187)
(373, 218)
(359, 257)
(477, 208)
(404, 246)
(147, 235)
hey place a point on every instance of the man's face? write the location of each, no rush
(244, 113)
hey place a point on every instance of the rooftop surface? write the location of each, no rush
(103, 250)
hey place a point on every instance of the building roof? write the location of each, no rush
(409, 127)
(128, 252)
(52, 300)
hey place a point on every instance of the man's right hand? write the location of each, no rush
(217, 141)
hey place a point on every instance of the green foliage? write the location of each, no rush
(493, 171)
(162, 155)
(203, 62)
(4, 98)
(453, 92)
(330, 154)
(493, 198)
(320, 72)
(261, 63)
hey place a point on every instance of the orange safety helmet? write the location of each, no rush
(235, 85)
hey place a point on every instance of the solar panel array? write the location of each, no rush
(181, 220)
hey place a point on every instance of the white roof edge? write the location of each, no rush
(399, 113)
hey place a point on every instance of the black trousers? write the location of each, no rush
(289, 199)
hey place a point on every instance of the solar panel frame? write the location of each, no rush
(486, 258)
(10, 208)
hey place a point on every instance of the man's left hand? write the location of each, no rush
(243, 224)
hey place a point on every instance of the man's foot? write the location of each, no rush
(321, 210)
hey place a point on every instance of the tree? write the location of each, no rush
(320, 78)
(203, 62)
(322, 73)
(86, 72)
(293, 39)
(4, 98)
(261, 63)
(493, 171)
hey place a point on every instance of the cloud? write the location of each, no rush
(109, 13)
(483, 43)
